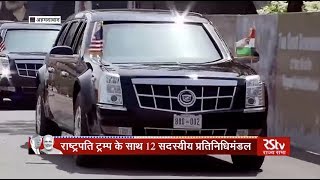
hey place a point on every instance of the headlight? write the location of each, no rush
(4, 65)
(254, 92)
(110, 91)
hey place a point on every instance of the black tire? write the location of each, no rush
(47, 126)
(32, 102)
(26, 103)
(2, 104)
(253, 163)
(82, 160)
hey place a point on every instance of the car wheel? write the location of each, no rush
(45, 126)
(81, 129)
(32, 102)
(1, 102)
(26, 103)
(247, 162)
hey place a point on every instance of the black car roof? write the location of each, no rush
(136, 15)
(26, 25)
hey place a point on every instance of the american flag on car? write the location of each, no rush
(97, 39)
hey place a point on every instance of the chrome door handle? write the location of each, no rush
(50, 69)
(64, 74)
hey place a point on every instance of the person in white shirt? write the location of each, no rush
(48, 142)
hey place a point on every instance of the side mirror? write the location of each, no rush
(62, 50)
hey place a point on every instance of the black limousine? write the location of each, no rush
(141, 72)
(25, 48)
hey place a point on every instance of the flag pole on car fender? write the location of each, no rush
(252, 40)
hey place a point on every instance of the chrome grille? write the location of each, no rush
(28, 68)
(149, 131)
(162, 94)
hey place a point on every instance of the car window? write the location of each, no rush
(30, 40)
(71, 34)
(62, 35)
(77, 44)
(76, 36)
(158, 42)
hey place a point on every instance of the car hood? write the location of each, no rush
(227, 69)
(26, 56)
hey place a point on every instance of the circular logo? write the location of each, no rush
(186, 98)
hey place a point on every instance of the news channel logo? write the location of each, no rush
(44, 19)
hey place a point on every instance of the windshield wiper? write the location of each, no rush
(104, 63)
(204, 63)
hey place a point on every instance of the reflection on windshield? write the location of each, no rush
(158, 43)
(36, 41)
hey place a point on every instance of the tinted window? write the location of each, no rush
(61, 35)
(71, 34)
(30, 40)
(77, 44)
(171, 43)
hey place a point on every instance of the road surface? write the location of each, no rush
(17, 125)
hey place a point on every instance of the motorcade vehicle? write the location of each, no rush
(26, 46)
(148, 73)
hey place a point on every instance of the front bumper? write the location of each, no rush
(16, 88)
(151, 122)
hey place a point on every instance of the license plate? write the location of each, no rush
(187, 121)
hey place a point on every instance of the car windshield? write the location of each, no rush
(30, 40)
(158, 43)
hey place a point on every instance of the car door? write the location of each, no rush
(53, 81)
(62, 78)
(78, 67)
(70, 67)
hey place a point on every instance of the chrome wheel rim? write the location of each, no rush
(38, 115)
(77, 122)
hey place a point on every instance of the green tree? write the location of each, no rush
(290, 6)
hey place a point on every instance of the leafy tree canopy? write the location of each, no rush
(281, 7)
